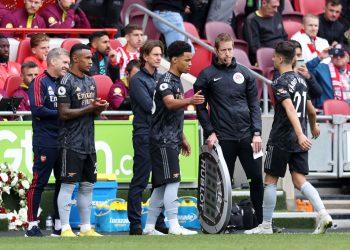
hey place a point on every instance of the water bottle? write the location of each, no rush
(49, 223)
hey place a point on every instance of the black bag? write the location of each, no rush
(249, 218)
(236, 218)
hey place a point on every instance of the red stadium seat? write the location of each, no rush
(103, 84)
(288, 8)
(264, 59)
(115, 43)
(150, 31)
(213, 29)
(69, 42)
(190, 28)
(292, 23)
(336, 107)
(201, 59)
(12, 83)
(315, 6)
(24, 50)
(135, 12)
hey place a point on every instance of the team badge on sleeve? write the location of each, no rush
(163, 86)
(52, 20)
(61, 91)
(238, 78)
(117, 91)
(9, 26)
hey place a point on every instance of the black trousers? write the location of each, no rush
(141, 172)
(252, 168)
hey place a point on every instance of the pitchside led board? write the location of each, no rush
(113, 144)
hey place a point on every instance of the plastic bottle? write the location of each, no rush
(49, 223)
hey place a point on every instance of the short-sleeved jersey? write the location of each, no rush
(77, 134)
(167, 125)
(288, 86)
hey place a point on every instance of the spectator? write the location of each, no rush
(253, 5)
(330, 27)
(3, 11)
(221, 11)
(65, 14)
(199, 19)
(171, 11)
(39, 43)
(264, 28)
(311, 44)
(134, 38)
(7, 67)
(26, 17)
(345, 15)
(333, 77)
(103, 58)
(118, 96)
(29, 71)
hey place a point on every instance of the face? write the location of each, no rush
(28, 74)
(102, 45)
(66, 3)
(83, 60)
(340, 61)
(154, 58)
(4, 49)
(311, 26)
(277, 60)
(32, 6)
(183, 63)
(61, 65)
(270, 8)
(41, 50)
(135, 39)
(225, 52)
(332, 13)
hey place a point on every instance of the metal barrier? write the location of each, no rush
(198, 41)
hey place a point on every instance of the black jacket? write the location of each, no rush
(142, 88)
(111, 71)
(231, 93)
(331, 31)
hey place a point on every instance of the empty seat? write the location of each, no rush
(315, 6)
(69, 42)
(115, 43)
(336, 107)
(190, 28)
(134, 12)
(12, 84)
(201, 59)
(213, 29)
(103, 84)
(24, 50)
(150, 30)
(292, 23)
(264, 59)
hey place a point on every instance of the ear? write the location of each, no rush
(33, 51)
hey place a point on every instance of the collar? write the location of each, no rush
(23, 86)
(143, 69)
(54, 79)
(302, 31)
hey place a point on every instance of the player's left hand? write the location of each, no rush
(257, 144)
(315, 131)
(185, 148)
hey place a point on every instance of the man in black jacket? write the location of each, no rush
(142, 88)
(235, 116)
(103, 61)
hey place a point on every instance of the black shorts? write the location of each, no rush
(77, 167)
(165, 166)
(277, 159)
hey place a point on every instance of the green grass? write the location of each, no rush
(233, 242)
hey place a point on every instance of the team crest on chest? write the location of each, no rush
(238, 78)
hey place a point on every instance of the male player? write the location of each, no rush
(288, 143)
(167, 139)
(78, 105)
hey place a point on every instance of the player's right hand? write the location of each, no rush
(304, 142)
(212, 139)
(197, 98)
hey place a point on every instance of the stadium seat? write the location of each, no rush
(288, 8)
(264, 59)
(103, 84)
(201, 59)
(190, 28)
(68, 43)
(336, 107)
(12, 83)
(292, 23)
(24, 50)
(115, 43)
(150, 30)
(315, 7)
(213, 29)
(135, 12)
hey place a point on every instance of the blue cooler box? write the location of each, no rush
(103, 191)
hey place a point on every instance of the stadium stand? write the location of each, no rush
(292, 23)
(315, 6)
(201, 59)
(12, 83)
(103, 84)
(24, 50)
(264, 59)
(68, 43)
(336, 107)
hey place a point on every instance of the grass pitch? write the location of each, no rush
(333, 241)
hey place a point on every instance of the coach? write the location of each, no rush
(235, 117)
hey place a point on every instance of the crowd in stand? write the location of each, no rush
(323, 40)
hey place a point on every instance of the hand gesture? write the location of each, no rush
(197, 98)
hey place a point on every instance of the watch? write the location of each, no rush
(257, 133)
